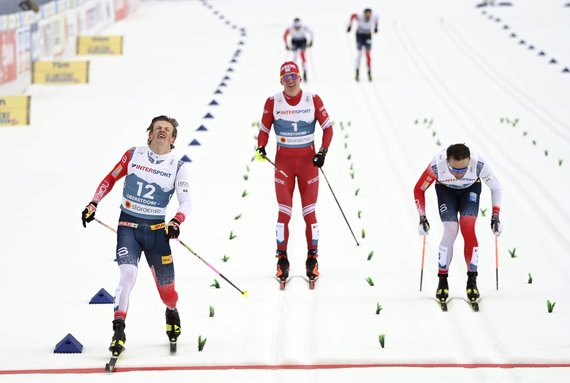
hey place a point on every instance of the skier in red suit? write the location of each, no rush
(293, 114)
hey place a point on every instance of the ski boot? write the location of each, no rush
(282, 265)
(369, 75)
(357, 77)
(312, 267)
(173, 329)
(304, 75)
(118, 341)
(442, 292)
(282, 268)
(471, 289)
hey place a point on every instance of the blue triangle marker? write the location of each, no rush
(185, 158)
(68, 345)
(213, 102)
(522, 42)
(566, 70)
(233, 61)
(230, 69)
(234, 26)
(222, 84)
(553, 61)
(202, 128)
(194, 142)
(541, 53)
(208, 115)
(531, 47)
(102, 297)
(241, 43)
(237, 52)
(227, 78)
(513, 35)
(506, 27)
(218, 91)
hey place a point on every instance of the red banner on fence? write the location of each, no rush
(8, 65)
(121, 9)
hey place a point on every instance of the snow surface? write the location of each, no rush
(440, 60)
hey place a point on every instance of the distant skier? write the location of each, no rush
(365, 24)
(294, 114)
(298, 37)
(153, 173)
(458, 173)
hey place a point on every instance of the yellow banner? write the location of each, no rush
(100, 45)
(60, 72)
(14, 110)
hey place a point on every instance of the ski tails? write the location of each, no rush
(282, 282)
(111, 365)
(312, 282)
(443, 304)
(474, 305)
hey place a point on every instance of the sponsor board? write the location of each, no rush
(14, 110)
(100, 45)
(8, 66)
(60, 72)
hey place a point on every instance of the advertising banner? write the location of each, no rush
(60, 72)
(35, 42)
(8, 66)
(24, 51)
(14, 110)
(100, 45)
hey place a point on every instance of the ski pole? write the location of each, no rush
(275, 166)
(423, 255)
(346, 220)
(104, 224)
(244, 292)
(497, 260)
(311, 62)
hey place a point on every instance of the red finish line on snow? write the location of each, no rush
(56, 371)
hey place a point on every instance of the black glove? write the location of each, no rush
(349, 28)
(260, 153)
(310, 44)
(319, 158)
(172, 230)
(496, 225)
(88, 214)
(423, 228)
(376, 30)
(287, 47)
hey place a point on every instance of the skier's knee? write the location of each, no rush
(168, 295)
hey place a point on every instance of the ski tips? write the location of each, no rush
(244, 293)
